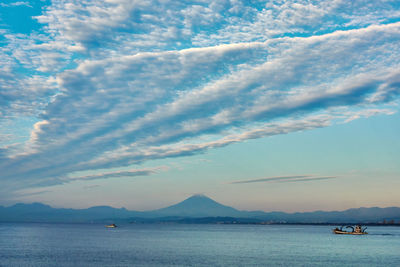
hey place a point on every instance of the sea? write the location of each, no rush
(39, 244)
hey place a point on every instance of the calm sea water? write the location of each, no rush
(194, 245)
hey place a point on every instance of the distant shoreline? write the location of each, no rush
(200, 222)
(197, 209)
(233, 221)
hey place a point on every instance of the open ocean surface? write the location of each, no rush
(34, 244)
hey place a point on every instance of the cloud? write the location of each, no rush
(118, 82)
(366, 114)
(270, 179)
(115, 174)
(23, 91)
(130, 154)
(28, 193)
(154, 25)
(286, 179)
(311, 179)
(163, 115)
(15, 4)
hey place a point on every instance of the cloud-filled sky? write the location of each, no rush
(130, 102)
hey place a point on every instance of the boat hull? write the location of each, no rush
(338, 232)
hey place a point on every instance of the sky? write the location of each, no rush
(260, 105)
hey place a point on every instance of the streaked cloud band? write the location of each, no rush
(286, 179)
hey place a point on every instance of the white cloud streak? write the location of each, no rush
(286, 179)
(116, 174)
(16, 4)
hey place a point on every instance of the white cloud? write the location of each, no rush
(16, 4)
(160, 25)
(286, 179)
(164, 79)
(114, 174)
(366, 113)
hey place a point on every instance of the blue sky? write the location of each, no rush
(270, 105)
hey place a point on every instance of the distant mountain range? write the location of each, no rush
(195, 209)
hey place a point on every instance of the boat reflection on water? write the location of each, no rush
(357, 230)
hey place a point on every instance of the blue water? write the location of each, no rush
(194, 245)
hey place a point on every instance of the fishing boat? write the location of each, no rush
(111, 225)
(357, 230)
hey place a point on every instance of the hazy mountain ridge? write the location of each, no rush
(197, 206)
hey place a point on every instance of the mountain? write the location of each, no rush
(197, 206)
(195, 209)
(37, 212)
